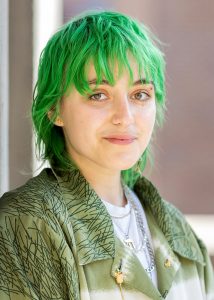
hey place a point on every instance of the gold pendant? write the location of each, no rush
(129, 242)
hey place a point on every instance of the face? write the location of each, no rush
(110, 128)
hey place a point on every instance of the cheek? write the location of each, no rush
(146, 117)
(81, 127)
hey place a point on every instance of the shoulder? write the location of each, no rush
(36, 250)
(151, 198)
(39, 197)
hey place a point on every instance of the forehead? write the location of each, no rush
(118, 70)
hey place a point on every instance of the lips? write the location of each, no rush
(121, 139)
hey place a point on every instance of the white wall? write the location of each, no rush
(4, 99)
(48, 16)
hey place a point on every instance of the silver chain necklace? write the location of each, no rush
(144, 244)
(127, 240)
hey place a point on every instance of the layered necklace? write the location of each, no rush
(135, 212)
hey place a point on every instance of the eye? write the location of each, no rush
(142, 96)
(98, 97)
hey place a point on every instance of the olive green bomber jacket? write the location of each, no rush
(57, 242)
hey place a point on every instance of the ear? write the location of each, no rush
(58, 121)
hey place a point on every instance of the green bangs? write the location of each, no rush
(105, 39)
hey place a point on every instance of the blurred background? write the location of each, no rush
(184, 148)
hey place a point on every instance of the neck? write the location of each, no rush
(105, 182)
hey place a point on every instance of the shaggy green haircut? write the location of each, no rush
(106, 38)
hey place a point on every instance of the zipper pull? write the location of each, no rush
(119, 278)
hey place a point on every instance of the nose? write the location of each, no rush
(123, 113)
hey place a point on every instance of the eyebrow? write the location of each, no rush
(105, 82)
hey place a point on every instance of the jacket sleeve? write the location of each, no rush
(35, 261)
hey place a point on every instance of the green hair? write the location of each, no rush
(105, 38)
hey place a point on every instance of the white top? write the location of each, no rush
(121, 225)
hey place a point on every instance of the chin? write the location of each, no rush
(125, 165)
(127, 168)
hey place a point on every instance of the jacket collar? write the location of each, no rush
(177, 231)
(93, 228)
(92, 225)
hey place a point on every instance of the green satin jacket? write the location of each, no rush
(57, 242)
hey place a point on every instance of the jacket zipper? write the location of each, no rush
(119, 277)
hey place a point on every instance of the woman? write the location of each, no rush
(91, 226)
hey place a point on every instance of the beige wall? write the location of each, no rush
(20, 91)
(185, 172)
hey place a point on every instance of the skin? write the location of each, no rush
(108, 130)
